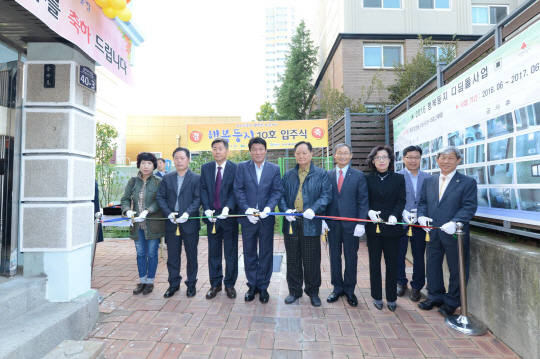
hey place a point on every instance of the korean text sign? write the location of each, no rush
(491, 113)
(278, 134)
(83, 23)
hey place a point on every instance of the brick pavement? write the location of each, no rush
(180, 327)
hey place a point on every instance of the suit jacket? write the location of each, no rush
(158, 174)
(390, 201)
(458, 204)
(249, 194)
(226, 193)
(352, 201)
(413, 198)
(189, 200)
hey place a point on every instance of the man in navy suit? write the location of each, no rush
(446, 199)
(257, 187)
(217, 198)
(349, 199)
(179, 194)
(414, 178)
(160, 168)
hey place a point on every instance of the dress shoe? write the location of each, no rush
(291, 298)
(231, 292)
(264, 296)
(401, 289)
(392, 307)
(139, 289)
(415, 295)
(378, 306)
(170, 292)
(352, 300)
(428, 304)
(333, 297)
(213, 292)
(250, 294)
(316, 301)
(148, 288)
(447, 310)
(191, 291)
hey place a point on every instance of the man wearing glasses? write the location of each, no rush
(414, 178)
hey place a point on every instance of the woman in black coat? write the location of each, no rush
(387, 198)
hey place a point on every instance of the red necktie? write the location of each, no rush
(340, 181)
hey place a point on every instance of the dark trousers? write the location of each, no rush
(418, 249)
(303, 261)
(435, 252)
(174, 252)
(341, 242)
(258, 266)
(225, 240)
(388, 246)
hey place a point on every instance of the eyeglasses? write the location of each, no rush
(381, 158)
(339, 154)
(412, 158)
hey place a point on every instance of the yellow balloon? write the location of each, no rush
(118, 4)
(124, 15)
(103, 3)
(110, 12)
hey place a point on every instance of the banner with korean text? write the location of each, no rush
(491, 112)
(278, 134)
(84, 24)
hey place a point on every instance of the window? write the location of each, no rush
(270, 52)
(382, 56)
(434, 51)
(535, 170)
(282, 37)
(383, 4)
(434, 4)
(488, 15)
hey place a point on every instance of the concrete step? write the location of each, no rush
(18, 295)
(36, 332)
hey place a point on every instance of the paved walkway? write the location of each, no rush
(180, 327)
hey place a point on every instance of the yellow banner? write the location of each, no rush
(278, 134)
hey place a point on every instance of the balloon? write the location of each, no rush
(118, 4)
(103, 3)
(110, 12)
(124, 15)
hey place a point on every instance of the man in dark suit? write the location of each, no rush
(217, 198)
(257, 187)
(446, 199)
(179, 193)
(160, 168)
(349, 199)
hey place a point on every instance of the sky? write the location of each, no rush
(203, 58)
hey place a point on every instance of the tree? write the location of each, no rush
(294, 98)
(267, 113)
(108, 178)
(422, 67)
(334, 102)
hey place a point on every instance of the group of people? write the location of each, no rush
(379, 204)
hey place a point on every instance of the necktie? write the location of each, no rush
(442, 186)
(217, 202)
(340, 181)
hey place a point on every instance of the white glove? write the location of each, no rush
(265, 212)
(449, 228)
(373, 215)
(325, 226)
(251, 217)
(130, 214)
(290, 218)
(423, 222)
(172, 217)
(142, 216)
(183, 218)
(392, 220)
(407, 216)
(224, 213)
(359, 230)
(209, 213)
(309, 214)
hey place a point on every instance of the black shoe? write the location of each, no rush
(415, 295)
(378, 306)
(212, 292)
(291, 298)
(231, 292)
(191, 291)
(428, 304)
(139, 289)
(250, 294)
(316, 301)
(333, 297)
(352, 300)
(170, 292)
(401, 289)
(447, 310)
(148, 289)
(263, 296)
(392, 307)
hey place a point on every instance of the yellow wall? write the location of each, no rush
(158, 133)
